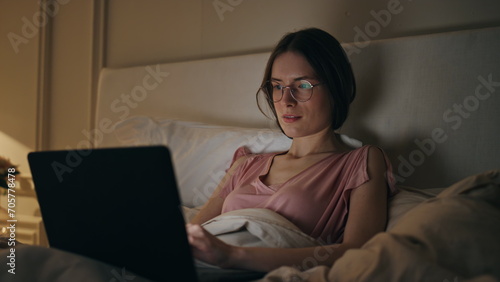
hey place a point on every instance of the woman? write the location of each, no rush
(331, 191)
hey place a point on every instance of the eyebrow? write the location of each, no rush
(295, 79)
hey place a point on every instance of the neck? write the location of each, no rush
(326, 141)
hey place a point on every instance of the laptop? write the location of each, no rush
(120, 206)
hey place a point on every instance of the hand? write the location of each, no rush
(208, 248)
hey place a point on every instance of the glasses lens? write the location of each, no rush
(276, 90)
(302, 90)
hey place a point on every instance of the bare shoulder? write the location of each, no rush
(376, 158)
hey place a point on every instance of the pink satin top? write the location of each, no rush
(316, 200)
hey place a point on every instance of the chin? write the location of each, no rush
(296, 133)
(293, 134)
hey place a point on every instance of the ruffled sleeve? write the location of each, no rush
(360, 174)
(355, 174)
(240, 152)
(230, 183)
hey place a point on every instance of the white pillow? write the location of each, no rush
(201, 153)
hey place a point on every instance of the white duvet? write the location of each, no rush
(257, 228)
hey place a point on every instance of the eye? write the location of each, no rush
(304, 85)
(277, 87)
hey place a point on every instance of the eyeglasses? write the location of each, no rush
(301, 90)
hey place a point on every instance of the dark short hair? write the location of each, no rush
(328, 59)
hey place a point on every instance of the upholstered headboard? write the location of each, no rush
(430, 101)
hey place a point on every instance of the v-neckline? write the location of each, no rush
(279, 185)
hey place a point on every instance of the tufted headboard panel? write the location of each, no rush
(430, 101)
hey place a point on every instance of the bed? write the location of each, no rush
(430, 101)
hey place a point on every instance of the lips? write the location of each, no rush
(290, 118)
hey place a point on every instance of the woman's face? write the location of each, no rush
(300, 119)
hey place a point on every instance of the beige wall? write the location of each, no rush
(152, 31)
(18, 80)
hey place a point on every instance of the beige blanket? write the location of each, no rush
(452, 237)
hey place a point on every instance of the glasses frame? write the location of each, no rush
(269, 95)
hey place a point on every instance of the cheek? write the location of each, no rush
(324, 105)
(324, 116)
(279, 108)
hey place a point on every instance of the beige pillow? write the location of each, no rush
(406, 199)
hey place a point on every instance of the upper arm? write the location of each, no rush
(213, 207)
(368, 203)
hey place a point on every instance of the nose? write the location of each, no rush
(288, 98)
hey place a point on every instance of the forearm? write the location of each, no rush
(200, 218)
(267, 259)
(210, 210)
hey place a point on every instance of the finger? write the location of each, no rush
(193, 227)
(197, 238)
